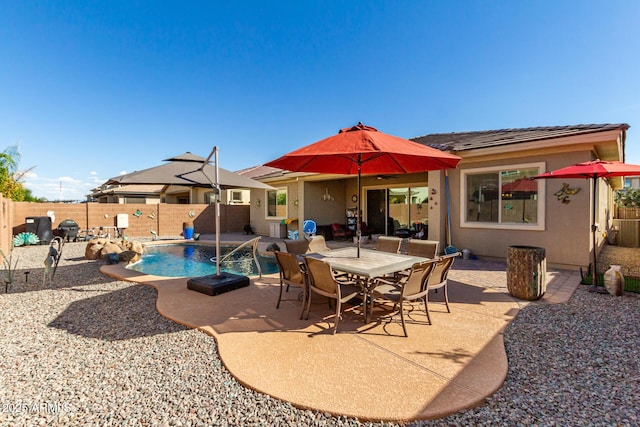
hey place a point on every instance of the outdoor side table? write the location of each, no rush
(526, 272)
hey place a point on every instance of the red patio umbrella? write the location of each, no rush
(364, 150)
(593, 170)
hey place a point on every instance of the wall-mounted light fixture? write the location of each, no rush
(296, 202)
(326, 197)
(258, 203)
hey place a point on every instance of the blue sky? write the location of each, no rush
(91, 89)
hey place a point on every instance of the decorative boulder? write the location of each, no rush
(137, 247)
(100, 247)
(92, 251)
(110, 248)
(99, 241)
(125, 245)
(129, 257)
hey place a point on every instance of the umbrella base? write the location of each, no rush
(217, 284)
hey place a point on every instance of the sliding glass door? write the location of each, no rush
(395, 208)
(377, 210)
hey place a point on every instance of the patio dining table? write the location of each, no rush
(370, 265)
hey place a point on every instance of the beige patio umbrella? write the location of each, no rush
(186, 169)
(191, 170)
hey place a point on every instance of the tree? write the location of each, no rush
(9, 160)
(628, 197)
(10, 185)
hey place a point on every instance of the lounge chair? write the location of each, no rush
(317, 244)
(388, 244)
(291, 275)
(406, 289)
(323, 282)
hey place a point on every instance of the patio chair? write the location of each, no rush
(323, 282)
(406, 289)
(339, 231)
(423, 248)
(438, 278)
(291, 275)
(365, 230)
(388, 244)
(317, 244)
(297, 247)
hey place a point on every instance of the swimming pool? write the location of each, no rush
(194, 260)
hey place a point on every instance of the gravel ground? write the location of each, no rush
(627, 258)
(88, 350)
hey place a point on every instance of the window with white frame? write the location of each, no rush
(277, 203)
(209, 197)
(236, 196)
(504, 197)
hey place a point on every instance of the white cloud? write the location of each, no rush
(60, 188)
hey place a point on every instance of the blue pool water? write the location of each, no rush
(192, 260)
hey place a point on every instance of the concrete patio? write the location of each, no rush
(368, 371)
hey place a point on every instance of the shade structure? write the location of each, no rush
(593, 170)
(186, 169)
(363, 150)
(190, 170)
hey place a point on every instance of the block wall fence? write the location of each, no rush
(165, 219)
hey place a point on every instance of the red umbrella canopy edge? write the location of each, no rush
(593, 169)
(376, 152)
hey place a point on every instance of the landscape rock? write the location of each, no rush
(92, 251)
(137, 246)
(98, 248)
(129, 257)
(110, 248)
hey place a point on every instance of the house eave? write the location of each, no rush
(606, 145)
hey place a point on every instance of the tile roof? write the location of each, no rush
(131, 189)
(458, 141)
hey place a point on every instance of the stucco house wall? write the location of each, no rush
(565, 229)
(565, 235)
(322, 198)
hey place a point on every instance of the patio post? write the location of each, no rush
(358, 214)
(217, 191)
